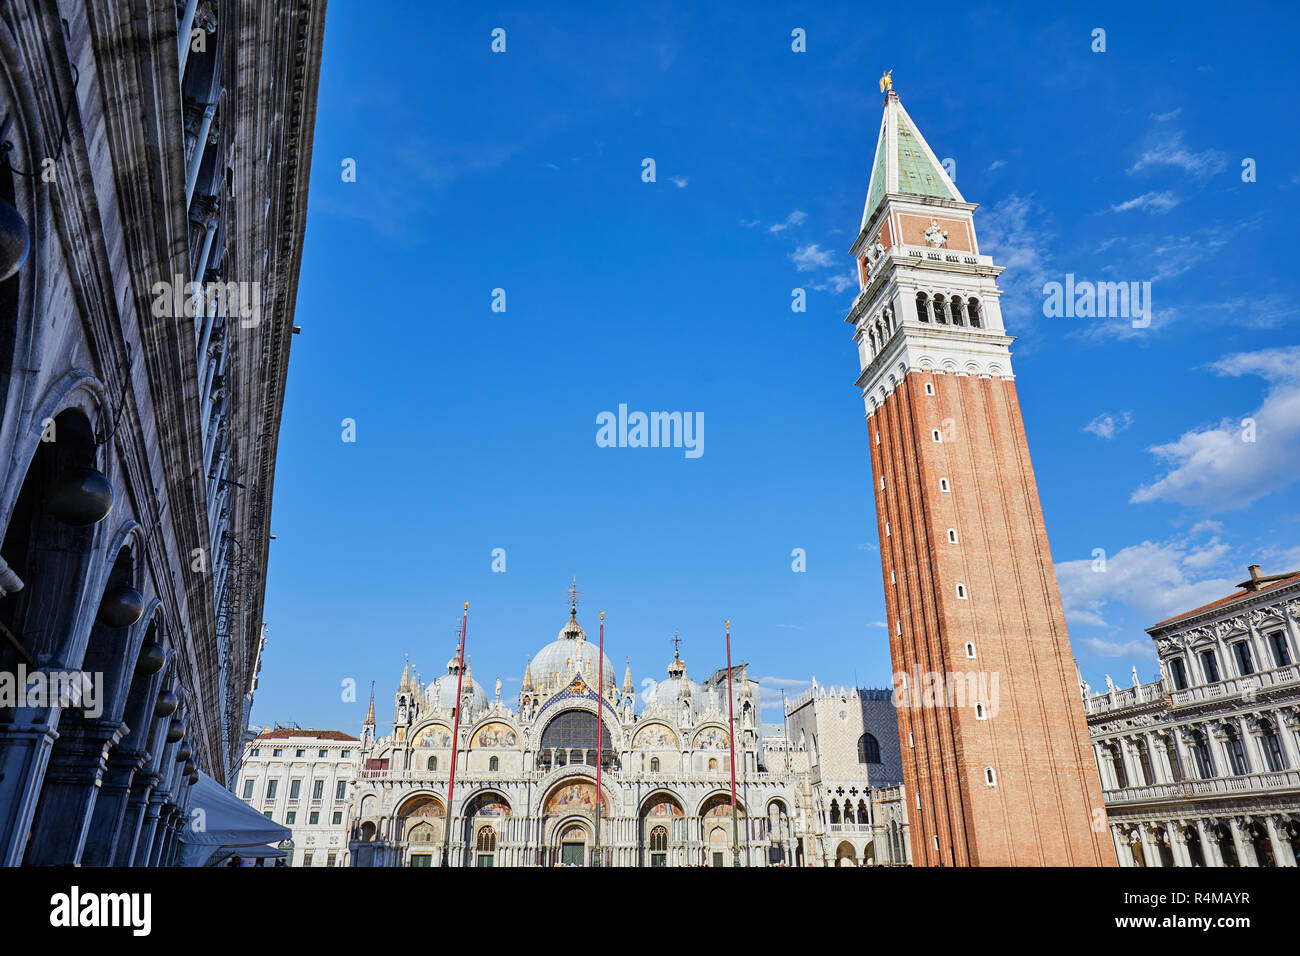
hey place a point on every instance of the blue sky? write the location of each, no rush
(522, 171)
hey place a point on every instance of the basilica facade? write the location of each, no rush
(525, 790)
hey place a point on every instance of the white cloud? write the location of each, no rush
(1216, 467)
(1013, 231)
(808, 258)
(1155, 202)
(1108, 426)
(678, 181)
(837, 283)
(1156, 580)
(996, 164)
(794, 219)
(1134, 648)
(1172, 152)
(1172, 114)
(770, 688)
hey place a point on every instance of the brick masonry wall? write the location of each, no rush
(1046, 808)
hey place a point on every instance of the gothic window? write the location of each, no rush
(1272, 746)
(1144, 761)
(654, 764)
(922, 307)
(973, 312)
(1117, 765)
(868, 749)
(835, 811)
(433, 763)
(1178, 670)
(494, 763)
(1210, 666)
(1281, 653)
(862, 813)
(487, 840)
(1236, 753)
(1201, 753)
(1175, 759)
(1241, 654)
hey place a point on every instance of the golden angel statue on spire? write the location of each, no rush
(887, 81)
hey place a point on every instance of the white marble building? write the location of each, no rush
(848, 739)
(304, 779)
(1202, 767)
(525, 786)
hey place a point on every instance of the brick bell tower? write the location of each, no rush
(996, 756)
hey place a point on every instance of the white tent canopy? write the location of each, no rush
(246, 853)
(217, 818)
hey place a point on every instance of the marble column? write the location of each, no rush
(71, 788)
(1178, 844)
(1245, 850)
(1150, 852)
(1282, 852)
(23, 761)
(106, 823)
(1209, 845)
(136, 805)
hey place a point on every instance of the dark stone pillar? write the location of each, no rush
(23, 759)
(72, 779)
(137, 805)
(110, 807)
(146, 849)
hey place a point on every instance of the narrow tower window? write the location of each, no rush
(943, 485)
(940, 312)
(961, 592)
(990, 777)
(929, 388)
(892, 579)
(937, 436)
(973, 310)
(955, 304)
(979, 712)
(970, 650)
(922, 308)
(952, 535)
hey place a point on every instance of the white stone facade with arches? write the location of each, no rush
(1202, 767)
(525, 787)
(126, 552)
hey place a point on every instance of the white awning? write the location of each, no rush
(217, 818)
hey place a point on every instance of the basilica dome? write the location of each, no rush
(442, 691)
(557, 663)
(677, 687)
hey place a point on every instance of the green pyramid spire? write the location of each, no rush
(904, 162)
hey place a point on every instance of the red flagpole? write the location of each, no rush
(455, 731)
(600, 729)
(731, 720)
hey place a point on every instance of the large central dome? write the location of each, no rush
(570, 653)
